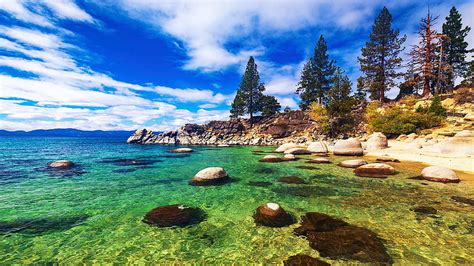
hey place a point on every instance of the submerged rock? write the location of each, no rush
(174, 215)
(61, 164)
(352, 163)
(260, 183)
(297, 151)
(289, 157)
(317, 147)
(463, 200)
(182, 150)
(336, 239)
(291, 179)
(210, 176)
(439, 174)
(318, 160)
(41, 225)
(272, 215)
(425, 210)
(304, 260)
(350, 147)
(271, 159)
(377, 141)
(377, 170)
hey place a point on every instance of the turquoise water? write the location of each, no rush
(93, 215)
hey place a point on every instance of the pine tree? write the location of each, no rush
(316, 76)
(249, 94)
(269, 105)
(360, 93)
(380, 58)
(423, 55)
(339, 101)
(455, 45)
(469, 76)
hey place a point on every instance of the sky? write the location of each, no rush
(129, 64)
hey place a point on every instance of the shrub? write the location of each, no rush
(394, 120)
(319, 114)
(436, 107)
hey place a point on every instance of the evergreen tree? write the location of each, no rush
(269, 105)
(340, 102)
(249, 94)
(455, 45)
(380, 58)
(316, 76)
(469, 76)
(360, 93)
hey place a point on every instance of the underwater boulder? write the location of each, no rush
(270, 159)
(377, 170)
(210, 176)
(61, 164)
(352, 163)
(439, 174)
(336, 239)
(302, 259)
(272, 215)
(425, 210)
(319, 160)
(174, 215)
(291, 179)
(289, 157)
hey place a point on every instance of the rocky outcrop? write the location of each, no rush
(292, 126)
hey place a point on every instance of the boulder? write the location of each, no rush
(317, 147)
(402, 137)
(352, 163)
(297, 151)
(141, 136)
(271, 159)
(174, 215)
(386, 158)
(318, 160)
(439, 174)
(210, 176)
(291, 179)
(182, 150)
(289, 157)
(287, 146)
(272, 215)
(462, 144)
(377, 141)
(336, 239)
(61, 164)
(302, 259)
(350, 147)
(380, 170)
(425, 210)
(464, 200)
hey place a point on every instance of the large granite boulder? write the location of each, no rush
(287, 146)
(317, 147)
(350, 147)
(336, 239)
(377, 141)
(352, 163)
(380, 170)
(439, 174)
(61, 164)
(289, 157)
(173, 215)
(271, 159)
(272, 215)
(210, 176)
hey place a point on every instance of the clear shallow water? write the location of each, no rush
(95, 216)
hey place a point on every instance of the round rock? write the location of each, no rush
(61, 164)
(317, 147)
(318, 160)
(271, 159)
(379, 170)
(377, 141)
(289, 157)
(173, 215)
(439, 174)
(182, 150)
(272, 215)
(210, 176)
(349, 147)
(352, 163)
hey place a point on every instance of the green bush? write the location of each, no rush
(395, 120)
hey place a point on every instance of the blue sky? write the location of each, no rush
(127, 64)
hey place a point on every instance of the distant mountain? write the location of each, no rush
(66, 132)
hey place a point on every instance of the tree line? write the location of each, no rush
(435, 62)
